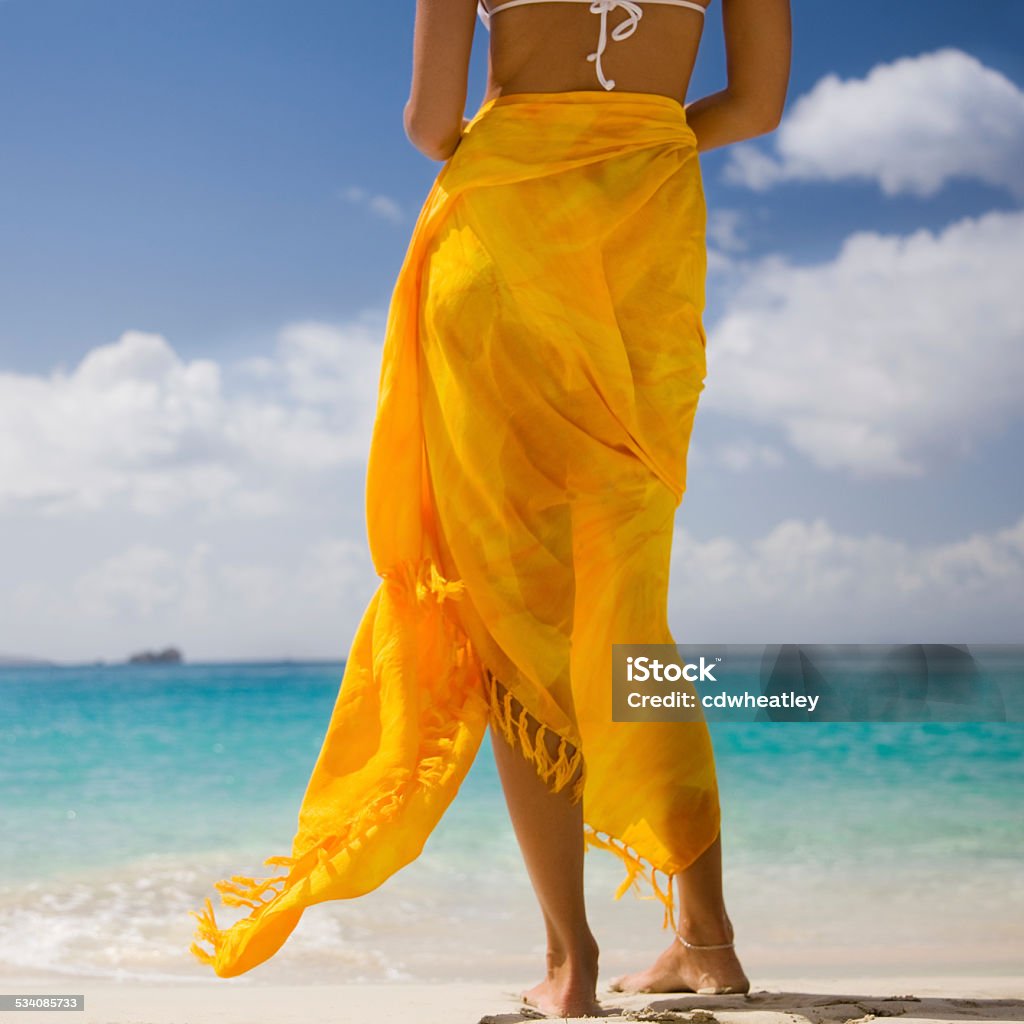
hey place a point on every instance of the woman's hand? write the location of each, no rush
(465, 122)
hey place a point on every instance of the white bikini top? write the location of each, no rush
(602, 7)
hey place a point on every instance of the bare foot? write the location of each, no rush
(678, 969)
(570, 988)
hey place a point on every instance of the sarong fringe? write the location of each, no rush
(430, 589)
(555, 771)
(637, 870)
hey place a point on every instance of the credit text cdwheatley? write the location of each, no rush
(644, 669)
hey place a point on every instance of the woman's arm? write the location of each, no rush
(758, 43)
(442, 43)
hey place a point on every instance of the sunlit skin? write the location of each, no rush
(543, 48)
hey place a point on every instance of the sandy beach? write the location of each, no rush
(773, 1001)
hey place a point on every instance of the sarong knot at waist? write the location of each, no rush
(519, 136)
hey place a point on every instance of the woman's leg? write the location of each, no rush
(550, 833)
(702, 921)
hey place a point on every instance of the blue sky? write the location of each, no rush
(205, 208)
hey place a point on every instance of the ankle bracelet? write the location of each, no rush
(691, 945)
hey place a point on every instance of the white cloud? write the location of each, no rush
(132, 585)
(387, 208)
(805, 582)
(134, 421)
(148, 499)
(723, 229)
(382, 206)
(901, 352)
(324, 365)
(910, 125)
(738, 455)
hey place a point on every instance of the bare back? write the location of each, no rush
(543, 47)
(648, 47)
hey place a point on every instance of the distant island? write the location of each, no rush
(168, 656)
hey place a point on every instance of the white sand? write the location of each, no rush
(774, 1001)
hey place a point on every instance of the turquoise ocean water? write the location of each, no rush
(127, 790)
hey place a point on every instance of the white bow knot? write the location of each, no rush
(621, 31)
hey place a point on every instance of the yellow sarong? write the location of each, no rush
(543, 359)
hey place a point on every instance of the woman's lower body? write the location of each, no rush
(543, 360)
(561, 360)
